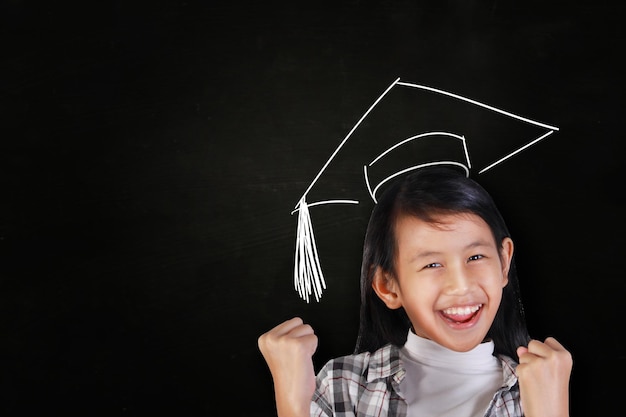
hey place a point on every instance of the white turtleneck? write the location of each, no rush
(444, 383)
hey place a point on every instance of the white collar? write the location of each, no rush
(430, 353)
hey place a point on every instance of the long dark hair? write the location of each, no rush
(427, 193)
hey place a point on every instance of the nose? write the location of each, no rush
(457, 280)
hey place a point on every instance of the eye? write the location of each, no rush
(475, 257)
(433, 265)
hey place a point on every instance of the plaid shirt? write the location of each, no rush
(367, 385)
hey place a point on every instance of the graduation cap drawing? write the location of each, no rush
(408, 127)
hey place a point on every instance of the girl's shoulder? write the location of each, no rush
(360, 382)
(381, 363)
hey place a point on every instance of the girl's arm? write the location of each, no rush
(544, 372)
(288, 350)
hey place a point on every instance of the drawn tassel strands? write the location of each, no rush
(308, 277)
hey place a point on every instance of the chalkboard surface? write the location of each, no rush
(151, 155)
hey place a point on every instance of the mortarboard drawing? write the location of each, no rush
(408, 127)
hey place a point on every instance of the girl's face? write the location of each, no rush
(449, 278)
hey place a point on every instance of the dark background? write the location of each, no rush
(151, 154)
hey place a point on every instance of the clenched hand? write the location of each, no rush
(544, 371)
(288, 350)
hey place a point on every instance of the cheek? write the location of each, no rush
(493, 276)
(420, 297)
(505, 277)
(496, 297)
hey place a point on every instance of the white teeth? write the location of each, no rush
(456, 311)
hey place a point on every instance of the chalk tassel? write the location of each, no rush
(308, 277)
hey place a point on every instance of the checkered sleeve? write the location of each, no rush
(507, 401)
(338, 386)
(356, 386)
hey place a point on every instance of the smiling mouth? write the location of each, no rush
(461, 314)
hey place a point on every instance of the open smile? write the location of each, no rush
(464, 316)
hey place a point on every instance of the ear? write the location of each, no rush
(506, 255)
(385, 287)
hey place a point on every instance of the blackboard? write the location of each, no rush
(152, 153)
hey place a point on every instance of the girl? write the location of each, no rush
(442, 330)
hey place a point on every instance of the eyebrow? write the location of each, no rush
(472, 245)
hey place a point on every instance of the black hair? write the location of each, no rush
(426, 194)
